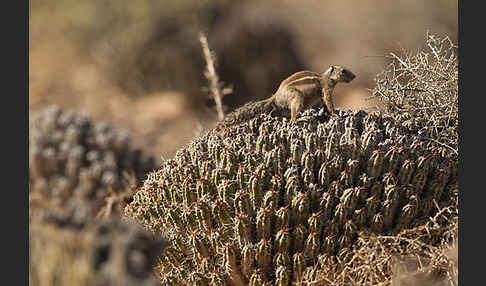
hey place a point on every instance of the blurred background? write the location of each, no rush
(139, 64)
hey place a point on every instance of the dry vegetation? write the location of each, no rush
(108, 252)
(421, 90)
(139, 65)
(406, 259)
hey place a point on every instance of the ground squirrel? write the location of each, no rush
(296, 93)
(303, 89)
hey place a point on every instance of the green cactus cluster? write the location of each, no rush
(268, 201)
(73, 159)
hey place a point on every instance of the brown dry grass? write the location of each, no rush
(58, 257)
(408, 258)
(69, 255)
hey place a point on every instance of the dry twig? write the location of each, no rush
(215, 86)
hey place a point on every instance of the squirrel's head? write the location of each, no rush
(339, 74)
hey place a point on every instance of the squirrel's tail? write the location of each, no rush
(246, 112)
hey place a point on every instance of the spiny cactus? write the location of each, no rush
(72, 158)
(263, 202)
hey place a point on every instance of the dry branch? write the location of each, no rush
(215, 86)
(421, 91)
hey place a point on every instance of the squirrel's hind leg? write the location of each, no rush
(296, 104)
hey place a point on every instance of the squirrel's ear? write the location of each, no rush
(329, 70)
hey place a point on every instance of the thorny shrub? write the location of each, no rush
(420, 90)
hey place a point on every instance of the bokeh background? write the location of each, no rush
(139, 64)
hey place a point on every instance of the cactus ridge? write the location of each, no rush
(268, 199)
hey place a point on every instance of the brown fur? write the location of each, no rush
(296, 93)
(303, 89)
